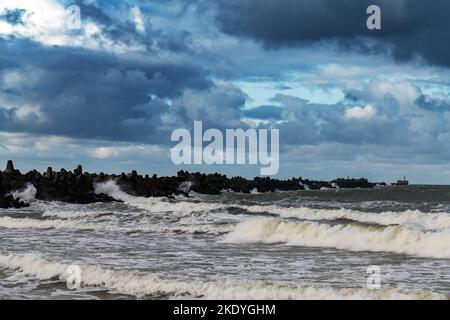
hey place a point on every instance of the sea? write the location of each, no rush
(381, 243)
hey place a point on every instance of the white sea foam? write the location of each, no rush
(415, 218)
(112, 189)
(411, 218)
(143, 284)
(412, 236)
(27, 223)
(396, 239)
(155, 205)
(28, 195)
(186, 186)
(73, 214)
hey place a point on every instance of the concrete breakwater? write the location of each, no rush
(78, 186)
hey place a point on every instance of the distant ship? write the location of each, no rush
(403, 182)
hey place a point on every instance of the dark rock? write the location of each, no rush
(78, 171)
(49, 172)
(9, 202)
(354, 183)
(9, 168)
(79, 186)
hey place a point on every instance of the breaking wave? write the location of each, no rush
(353, 237)
(410, 232)
(28, 195)
(27, 223)
(155, 205)
(141, 284)
(413, 218)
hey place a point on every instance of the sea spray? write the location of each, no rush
(27, 195)
(186, 186)
(155, 205)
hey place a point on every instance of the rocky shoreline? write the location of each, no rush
(79, 187)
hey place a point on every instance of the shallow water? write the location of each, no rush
(284, 245)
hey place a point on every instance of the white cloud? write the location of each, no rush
(359, 113)
(403, 91)
(342, 71)
(104, 153)
(42, 19)
(26, 110)
(125, 151)
(138, 20)
(45, 21)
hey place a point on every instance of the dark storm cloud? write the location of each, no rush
(91, 94)
(409, 27)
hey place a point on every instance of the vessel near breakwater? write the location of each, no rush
(402, 182)
(78, 186)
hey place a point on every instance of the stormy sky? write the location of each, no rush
(348, 101)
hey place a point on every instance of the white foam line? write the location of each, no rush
(413, 218)
(142, 284)
(26, 223)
